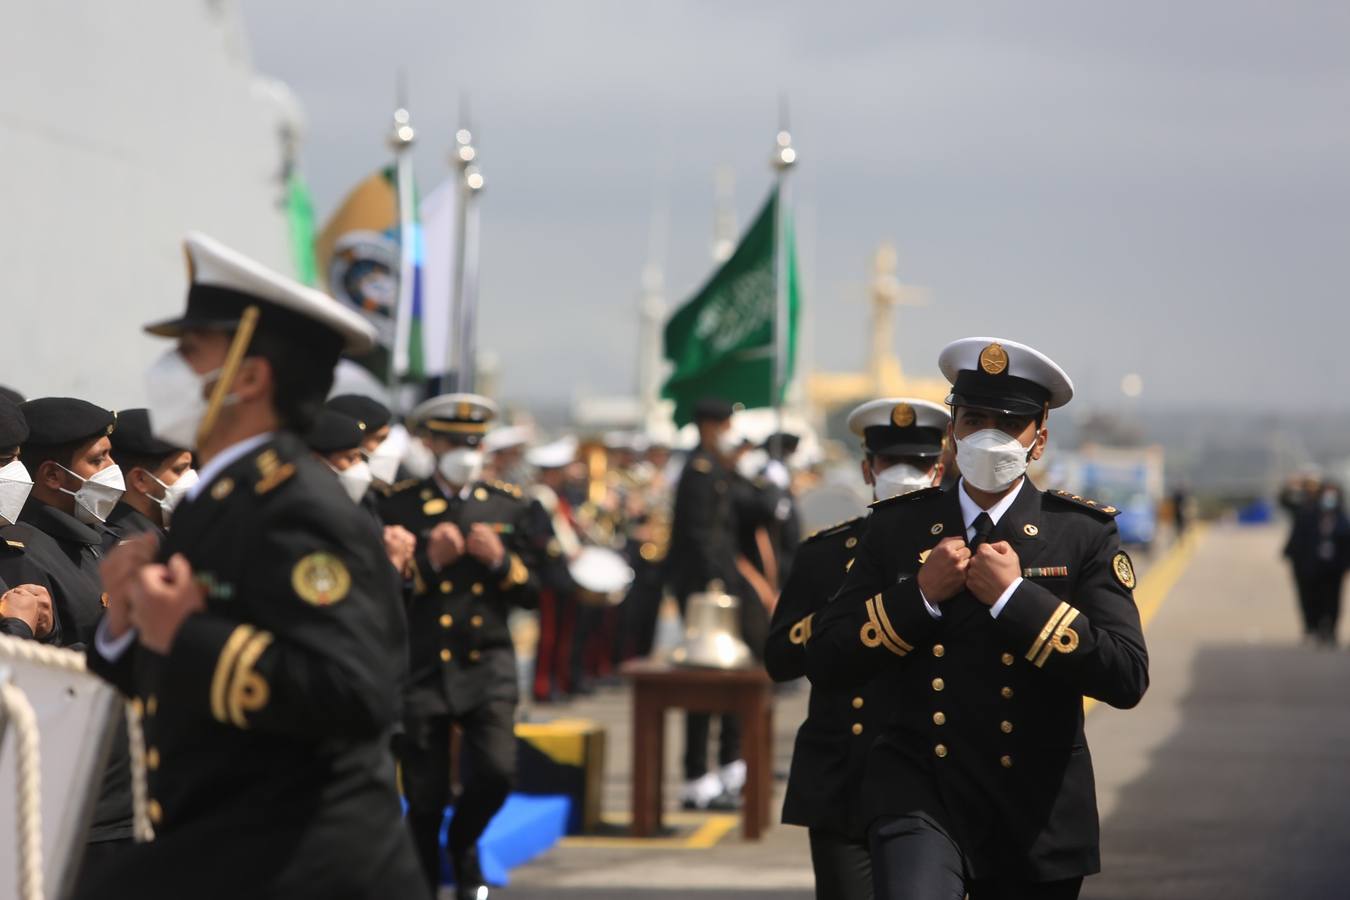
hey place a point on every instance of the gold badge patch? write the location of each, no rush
(480, 494)
(221, 489)
(1124, 571)
(994, 359)
(321, 579)
(902, 416)
(434, 507)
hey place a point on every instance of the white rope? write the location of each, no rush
(141, 828)
(32, 651)
(19, 713)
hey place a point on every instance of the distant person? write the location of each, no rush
(1318, 551)
(157, 473)
(1181, 499)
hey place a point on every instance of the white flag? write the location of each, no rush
(439, 273)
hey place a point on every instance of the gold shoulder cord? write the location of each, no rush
(229, 371)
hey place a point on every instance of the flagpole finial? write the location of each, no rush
(402, 135)
(784, 154)
(465, 157)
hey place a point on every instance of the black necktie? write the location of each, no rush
(983, 526)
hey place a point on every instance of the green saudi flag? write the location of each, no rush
(721, 342)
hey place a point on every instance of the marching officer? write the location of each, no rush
(157, 474)
(703, 548)
(476, 557)
(988, 612)
(381, 448)
(255, 642)
(902, 441)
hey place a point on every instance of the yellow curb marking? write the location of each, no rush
(708, 834)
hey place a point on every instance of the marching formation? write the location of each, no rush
(309, 605)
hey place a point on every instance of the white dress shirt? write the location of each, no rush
(112, 649)
(970, 511)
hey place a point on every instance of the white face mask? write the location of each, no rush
(418, 459)
(752, 463)
(461, 465)
(176, 399)
(356, 480)
(15, 486)
(384, 459)
(898, 479)
(98, 494)
(991, 460)
(174, 493)
(728, 441)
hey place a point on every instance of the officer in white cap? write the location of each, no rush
(989, 612)
(478, 545)
(901, 441)
(260, 641)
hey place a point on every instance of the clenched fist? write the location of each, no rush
(399, 546)
(31, 604)
(992, 569)
(485, 545)
(161, 599)
(943, 574)
(445, 544)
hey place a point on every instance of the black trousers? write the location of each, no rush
(913, 859)
(843, 867)
(487, 773)
(696, 728)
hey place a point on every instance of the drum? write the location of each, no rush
(602, 575)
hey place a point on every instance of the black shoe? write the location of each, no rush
(469, 882)
(725, 802)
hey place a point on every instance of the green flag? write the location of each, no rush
(300, 225)
(721, 341)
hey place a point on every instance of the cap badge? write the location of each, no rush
(1030, 530)
(902, 416)
(994, 360)
(463, 410)
(936, 529)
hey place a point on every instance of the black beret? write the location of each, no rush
(713, 409)
(65, 420)
(332, 431)
(13, 426)
(11, 394)
(133, 438)
(367, 410)
(781, 442)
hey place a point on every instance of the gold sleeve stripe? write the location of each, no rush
(873, 635)
(1046, 631)
(801, 632)
(887, 628)
(516, 575)
(419, 583)
(225, 667)
(1064, 640)
(248, 689)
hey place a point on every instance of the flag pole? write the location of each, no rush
(464, 287)
(784, 158)
(401, 139)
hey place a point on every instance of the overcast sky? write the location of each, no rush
(1157, 188)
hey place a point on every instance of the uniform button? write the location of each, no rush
(1007, 659)
(940, 750)
(155, 811)
(938, 684)
(1005, 761)
(476, 621)
(857, 703)
(447, 620)
(939, 650)
(939, 718)
(477, 588)
(446, 655)
(151, 705)
(152, 758)
(138, 706)
(857, 728)
(474, 655)
(447, 587)
(1005, 726)
(1007, 693)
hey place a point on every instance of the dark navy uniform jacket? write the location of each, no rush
(267, 725)
(828, 759)
(984, 716)
(461, 655)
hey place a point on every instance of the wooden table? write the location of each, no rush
(658, 687)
